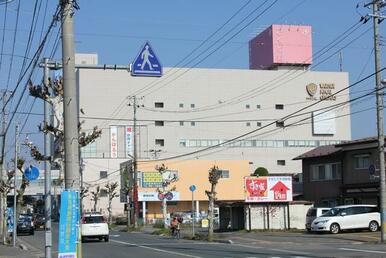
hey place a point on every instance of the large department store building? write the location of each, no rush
(206, 108)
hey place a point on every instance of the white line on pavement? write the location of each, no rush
(274, 249)
(156, 249)
(362, 250)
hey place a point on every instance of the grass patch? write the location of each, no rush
(161, 231)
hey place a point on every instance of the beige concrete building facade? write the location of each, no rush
(195, 117)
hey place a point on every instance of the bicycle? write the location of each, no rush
(176, 232)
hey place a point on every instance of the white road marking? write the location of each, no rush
(274, 249)
(114, 235)
(362, 250)
(248, 246)
(156, 249)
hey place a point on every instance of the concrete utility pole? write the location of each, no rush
(70, 99)
(47, 169)
(135, 177)
(3, 172)
(15, 187)
(379, 100)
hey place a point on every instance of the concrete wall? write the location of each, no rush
(275, 216)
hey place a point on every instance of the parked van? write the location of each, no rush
(312, 214)
(348, 217)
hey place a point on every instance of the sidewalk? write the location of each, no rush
(8, 251)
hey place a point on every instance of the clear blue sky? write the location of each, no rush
(115, 30)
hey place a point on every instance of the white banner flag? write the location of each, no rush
(113, 142)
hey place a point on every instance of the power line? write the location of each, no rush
(282, 119)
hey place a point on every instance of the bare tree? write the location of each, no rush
(214, 176)
(95, 195)
(167, 179)
(112, 193)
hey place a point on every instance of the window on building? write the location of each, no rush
(258, 124)
(158, 104)
(193, 123)
(362, 161)
(160, 142)
(279, 106)
(281, 162)
(103, 193)
(248, 124)
(247, 106)
(89, 151)
(159, 123)
(323, 172)
(181, 123)
(280, 124)
(192, 105)
(258, 106)
(182, 143)
(181, 105)
(102, 174)
(224, 173)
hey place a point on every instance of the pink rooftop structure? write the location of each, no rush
(281, 45)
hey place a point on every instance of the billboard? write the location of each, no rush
(155, 179)
(268, 189)
(126, 174)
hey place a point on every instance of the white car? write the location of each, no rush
(94, 225)
(348, 217)
(312, 214)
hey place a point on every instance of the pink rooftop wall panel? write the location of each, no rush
(281, 45)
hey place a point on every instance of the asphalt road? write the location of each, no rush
(247, 245)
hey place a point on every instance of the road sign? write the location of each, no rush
(192, 188)
(146, 63)
(372, 169)
(31, 173)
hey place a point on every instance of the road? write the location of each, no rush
(245, 245)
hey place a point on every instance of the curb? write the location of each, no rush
(224, 241)
(22, 246)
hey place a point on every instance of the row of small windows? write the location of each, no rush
(257, 143)
(161, 105)
(247, 106)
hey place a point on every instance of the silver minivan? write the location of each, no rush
(312, 214)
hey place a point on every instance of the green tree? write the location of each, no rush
(260, 171)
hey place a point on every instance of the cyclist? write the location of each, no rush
(174, 225)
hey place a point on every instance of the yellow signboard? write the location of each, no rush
(151, 180)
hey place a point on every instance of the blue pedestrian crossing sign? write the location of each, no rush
(146, 63)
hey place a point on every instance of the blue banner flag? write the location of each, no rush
(68, 224)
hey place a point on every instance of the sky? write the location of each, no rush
(117, 29)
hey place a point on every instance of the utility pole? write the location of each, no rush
(70, 99)
(3, 173)
(47, 169)
(135, 172)
(376, 4)
(15, 187)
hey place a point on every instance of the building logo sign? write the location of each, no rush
(311, 89)
(268, 189)
(326, 91)
(114, 142)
